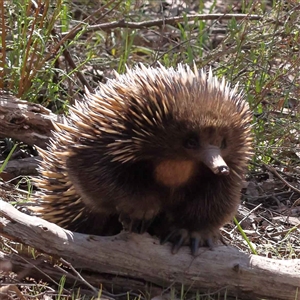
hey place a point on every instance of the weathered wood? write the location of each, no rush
(27, 122)
(142, 257)
(23, 166)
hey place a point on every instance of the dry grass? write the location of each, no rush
(50, 50)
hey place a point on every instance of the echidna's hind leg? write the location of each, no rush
(136, 225)
(98, 224)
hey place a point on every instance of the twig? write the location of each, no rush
(247, 215)
(96, 292)
(165, 21)
(79, 74)
(273, 170)
(32, 265)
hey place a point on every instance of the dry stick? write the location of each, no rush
(272, 170)
(72, 64)
(169, 21)
(27, 122)
(79, 74)
(246, 216)
(79, 276)
(158, 22)
(140, 256)
(108, 11)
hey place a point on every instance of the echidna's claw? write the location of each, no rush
(177, 237)
(168, 237)
(195, 243)
(210, 243)
(145, 224)
(177, 245)
(221, 238)
(126, 222)
(196, 239)
(134, 225)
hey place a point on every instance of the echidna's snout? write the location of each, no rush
(212, 158)
(223, 170)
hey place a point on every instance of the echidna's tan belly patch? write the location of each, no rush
(174, 173)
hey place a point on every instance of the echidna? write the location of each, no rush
(164, 142)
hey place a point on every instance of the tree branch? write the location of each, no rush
(166, 21)
(142, 257)
(27, 122)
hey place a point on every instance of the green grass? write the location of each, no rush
(4, 164)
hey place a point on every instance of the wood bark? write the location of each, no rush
(142, 257)
(24, 121)
(23, 166)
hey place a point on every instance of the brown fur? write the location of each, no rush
(163, 144)
(174, 173)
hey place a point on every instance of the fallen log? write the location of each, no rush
(24, 121)
(142, 257)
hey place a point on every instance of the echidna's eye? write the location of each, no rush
(191, 142)
(223, 144)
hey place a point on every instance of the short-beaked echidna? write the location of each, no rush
(172, 143)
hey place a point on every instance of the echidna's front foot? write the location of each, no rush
(134, 225)
(201, 238)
